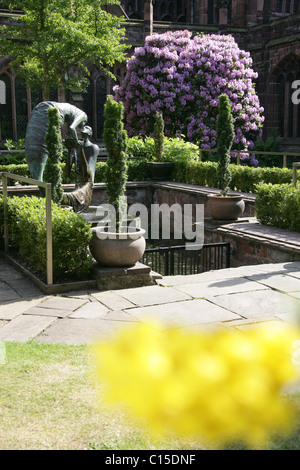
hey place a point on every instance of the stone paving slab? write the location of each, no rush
(183, 314)
(218, 287)
(79, 331)
(112, 300)
(47, 312)
(90, 310)
(25, 288)
(25, 327)
(64, 303)
(260, 304)
(295, 294)
(9, 274)
(229, 273)
(6, 293)
(295, 274)
(119, 316)
(282, 282)
(152, 295)
(9, 310)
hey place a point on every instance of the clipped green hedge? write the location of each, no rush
(278, 205)
(244, 178)
(137, 171)
(21, 170)
(71, 235)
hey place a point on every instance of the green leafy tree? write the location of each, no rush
(225, 136)
(53, 172)
(116, 143)
(52, 43)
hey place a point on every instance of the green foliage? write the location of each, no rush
(100, 172)
(54, 37)
(70, 234)
(1, 223)
(175, 149)
(243, 178)
(188, 171)
(53, 140)
(21, 170)
(271, 144)
(14, 144)
(225, 136)
(159, 127)
(13, 158)
(278, 205)
(116, 141)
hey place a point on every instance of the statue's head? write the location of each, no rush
(87, 131)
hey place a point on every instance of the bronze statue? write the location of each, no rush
(81, 153)
(85, 159)
(35, 147)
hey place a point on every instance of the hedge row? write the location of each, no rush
(70, 236)
(278, 205)
(244, 178)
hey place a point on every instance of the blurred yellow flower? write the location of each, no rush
(220, 385)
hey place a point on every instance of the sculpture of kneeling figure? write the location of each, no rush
(35, 147)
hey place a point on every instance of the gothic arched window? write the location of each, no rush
(2, 92)
(288, 114)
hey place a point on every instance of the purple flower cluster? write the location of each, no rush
(182, 77)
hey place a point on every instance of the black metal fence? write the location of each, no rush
(177, 260)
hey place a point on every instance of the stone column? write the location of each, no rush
(267, 11)
(148, 18)
(197, 11)
(223, 12)
(252, 12)
(13, 107)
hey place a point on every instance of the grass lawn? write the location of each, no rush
(48, 400)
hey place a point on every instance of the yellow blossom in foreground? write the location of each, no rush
(220, 385)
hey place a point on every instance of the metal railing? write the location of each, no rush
(2, 152)
(177, 260)
(295, 165)
(238, 153)
(47, 187)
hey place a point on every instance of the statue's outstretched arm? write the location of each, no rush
(80, 119)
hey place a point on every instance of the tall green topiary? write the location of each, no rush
(53, 172)
(116, 142)
(225, 136)
(159, 127)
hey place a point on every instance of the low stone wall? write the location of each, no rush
(253, 243)
(149, 192)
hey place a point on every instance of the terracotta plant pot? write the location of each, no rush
(117, 249)
(160, 170)
(229, 207)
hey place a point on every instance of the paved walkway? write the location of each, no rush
(228, 298)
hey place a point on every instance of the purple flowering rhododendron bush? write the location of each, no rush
(182, 77)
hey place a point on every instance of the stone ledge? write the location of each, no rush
(108, 271)
(110, 278)
(253, 243)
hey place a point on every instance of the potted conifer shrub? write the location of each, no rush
(117, 243)
(158, 168)
(225, 206)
